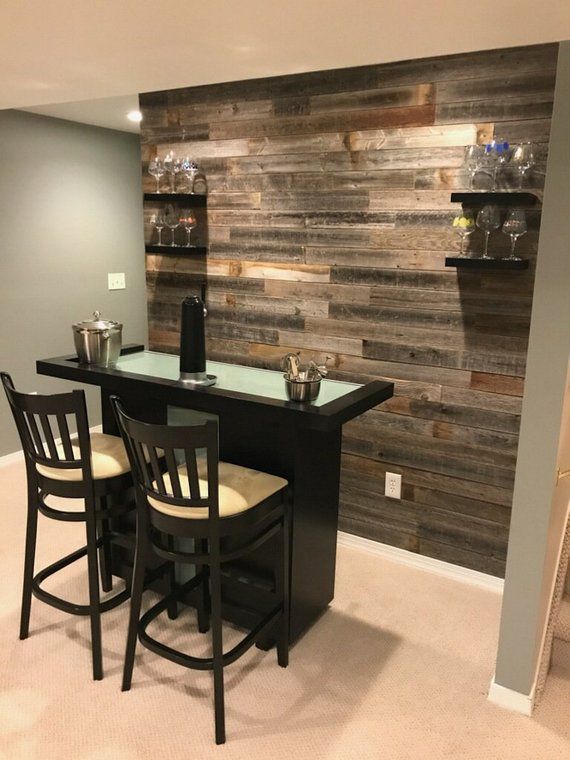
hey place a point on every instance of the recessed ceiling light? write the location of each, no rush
(134, 116)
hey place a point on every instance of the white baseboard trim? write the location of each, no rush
(511, 700)
(420, 562)
(18, 456)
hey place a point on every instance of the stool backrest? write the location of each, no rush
(44, 427)
(165, 463)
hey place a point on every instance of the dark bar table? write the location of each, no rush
(259, 428)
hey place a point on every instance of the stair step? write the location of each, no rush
(562, 627)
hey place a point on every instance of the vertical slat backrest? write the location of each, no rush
(65, 436)
(44, 430)
(192, 472)
(48, 436)
(161, 455)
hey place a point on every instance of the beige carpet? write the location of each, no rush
(399, 667)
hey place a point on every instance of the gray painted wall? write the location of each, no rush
(538, 504)
(71, 209)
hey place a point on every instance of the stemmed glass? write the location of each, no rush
(188, 221)
(464, 225)
(171, 167)
(523, 159)
(473, 161)
(157, 221)
(171, 219)
(490, 162)
(515, 227)
(156, 169)
(488, 219)
(189, 168)
(504, 153)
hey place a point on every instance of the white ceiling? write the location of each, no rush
(102, 112)
(56, 51)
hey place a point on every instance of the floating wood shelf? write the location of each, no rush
(193, 200)
(195, 249)
(504, 198)
(462, 262)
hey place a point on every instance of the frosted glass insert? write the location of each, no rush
(231, 377)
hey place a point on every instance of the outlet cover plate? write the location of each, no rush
(393, 486)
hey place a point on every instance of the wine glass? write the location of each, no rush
(488, 219)
(504, 153)
(189, 168)
(473, 161)
(156, 169)
(464, 225)
(176, 169)
(171, 219)
(157, 221)
(523, 160)
(169, 162)
(490, 162)
(515, 227)
(188, 221)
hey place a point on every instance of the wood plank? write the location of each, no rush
(455, 413)
(304, 307)
(370, 118)
(390, 97)
(395, 430)
(375, 258)
(404, 449)
(319, 343)
(503, 87)
(483, 361)
(424, 337)
(517, 107)
(326, 291)
(510, 386)
(235, 200)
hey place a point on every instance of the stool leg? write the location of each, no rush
(135, 611)
(30, 554)
(204, 591)
(282, 588)
(217, 653)
(105, 550)
(94, 601)
(172, 609)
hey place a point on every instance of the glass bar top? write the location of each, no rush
(231, 377)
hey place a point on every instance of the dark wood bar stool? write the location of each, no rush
(211, 502)
(94, 468)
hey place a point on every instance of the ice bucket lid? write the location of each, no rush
(96, 324)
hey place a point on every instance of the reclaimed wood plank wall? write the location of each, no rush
(328, 223)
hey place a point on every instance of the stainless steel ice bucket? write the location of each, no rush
(302, 390)
(98, 341)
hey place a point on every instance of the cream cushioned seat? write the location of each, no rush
(108, 459)
(239, 489)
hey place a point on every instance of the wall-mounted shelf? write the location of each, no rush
(177, 249)
(462, 262)
(193, 200)
(504, 198)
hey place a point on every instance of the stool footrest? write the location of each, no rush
(201, 663)
(63, 604)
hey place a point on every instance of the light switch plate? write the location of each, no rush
(116, 280)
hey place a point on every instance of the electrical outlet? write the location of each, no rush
(116, 280)
(393, 487)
